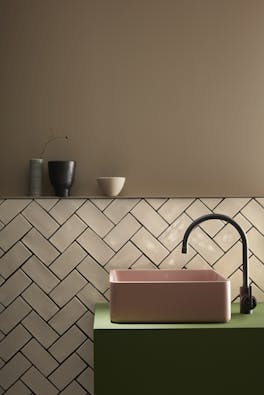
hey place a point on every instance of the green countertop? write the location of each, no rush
(254, 320)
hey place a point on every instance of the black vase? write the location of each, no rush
(61, 175)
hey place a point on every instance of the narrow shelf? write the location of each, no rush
(127, 197)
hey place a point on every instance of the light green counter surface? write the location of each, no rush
(254, 320)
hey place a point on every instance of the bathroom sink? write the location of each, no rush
(142, 296)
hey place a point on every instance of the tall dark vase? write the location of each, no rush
(61, 175)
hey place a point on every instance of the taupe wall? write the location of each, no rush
(167, 93)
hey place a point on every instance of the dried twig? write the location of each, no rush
(50, 140)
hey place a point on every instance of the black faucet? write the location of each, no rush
(247, 301)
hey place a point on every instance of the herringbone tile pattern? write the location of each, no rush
(56, 255)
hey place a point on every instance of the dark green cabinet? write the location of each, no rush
(168, 359)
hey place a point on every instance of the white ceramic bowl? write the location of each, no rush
(111, 186)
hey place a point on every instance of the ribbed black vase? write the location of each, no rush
(61, 175)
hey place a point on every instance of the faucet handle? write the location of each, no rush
(247, 301)
(253, 302)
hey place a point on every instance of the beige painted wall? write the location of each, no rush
(168, 93)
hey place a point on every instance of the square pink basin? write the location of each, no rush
(163, 296)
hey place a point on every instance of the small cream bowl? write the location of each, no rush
(111, 186)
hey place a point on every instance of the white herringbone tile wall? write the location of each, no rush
(56, 255)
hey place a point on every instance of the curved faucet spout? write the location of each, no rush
(198, 221)
(247, 301)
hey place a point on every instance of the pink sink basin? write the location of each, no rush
(169, 296)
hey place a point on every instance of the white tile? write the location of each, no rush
(254, 212)
(228, 236)
(38, 383)
(198, 209)
(86, 352)
(13, 370)
(13, 259)
(124, 258)
(13, 287)
(119, 208)
(94, 273)
(47, 204)
(18, 388)
(13, 342)
(156, 203)
(230, 261)
(86, 324)
(40, 302)
(176, 259)
(243, 222)
(174, 234)
(68, 260)
(39, 357)
(41, 331)
(40, 246)
(150, 246)
(13, 314)
(40, 274)
(143, 263)
(107, 294)
(256, 243)
(122, 232)
(95, 219)
(69, 231)
(258, 293)
(90, 296)
(211, 203)
(198, 263)
(74, 389)
(67, 316)
(67, 344)
(205, 246)
(86, 379)
(236, 282)
(148, 217)
(231, 206)
(173, 208)
(256, 272)
(101, 203)
(40, 219)
(236, 300)
(95, 246)
(11, 207)
(260, 201)
(13, 232)
(66, 372)
(68, 288)
(65, 208)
